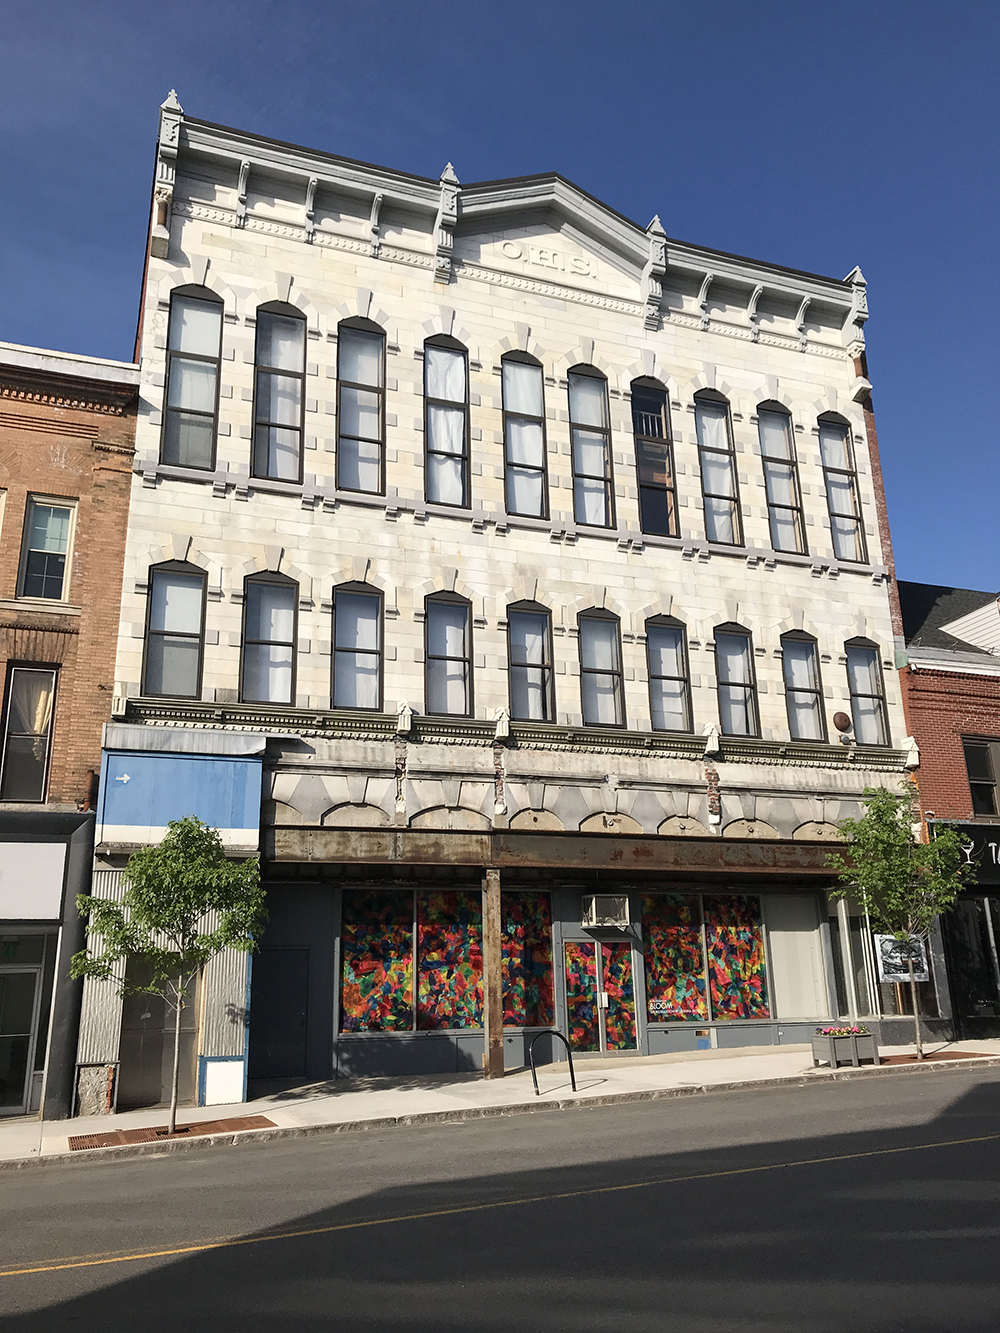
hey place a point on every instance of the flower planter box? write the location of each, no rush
(837, 1051)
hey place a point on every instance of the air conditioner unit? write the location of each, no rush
(604, 909)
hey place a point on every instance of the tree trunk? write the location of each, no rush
(916, 1010)
(178, 1004)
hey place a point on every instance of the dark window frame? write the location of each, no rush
(175, 567)
(355, 589)
(452, 599)
(448, 344)
(639, 437)
(52, 669)
(991, 746)
(711, 396)
(283, 311)
(619, 673)
(791, 462)
(591, 372)
(738, 631)
(280, 580)
(547, 668)
(870, 645)
(670, 622)
(800, 636)
(209, 297)
(372, 329)
(525, 359)
(851, 474)
(52, 502)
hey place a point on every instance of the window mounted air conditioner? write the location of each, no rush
(605, 909)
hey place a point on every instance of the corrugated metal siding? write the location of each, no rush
(224, 1019)
(101, 1016)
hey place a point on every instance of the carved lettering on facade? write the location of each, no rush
(542, 256)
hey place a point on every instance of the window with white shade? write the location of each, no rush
(654, 464)
(718, 470)
(27, 733)
(529, 640)
(48, 528)
(669, 682)
(841, 489)
(601, 670)
(448, 682)
(803, 689)
(737, 683)
(864, 676)
(446, 423)
(269, 623)
(357, 647)
(175, 631)
(781, 478)
(279, 393)
(194, 347)
(593, 489)
(524, 436)
(361, 408)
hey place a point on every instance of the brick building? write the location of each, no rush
(67, 429)
(951, 699)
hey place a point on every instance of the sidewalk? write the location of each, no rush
(353, 1104)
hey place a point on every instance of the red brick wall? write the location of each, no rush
(940, 708)
(73, 439)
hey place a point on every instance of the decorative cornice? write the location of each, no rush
(27, 389)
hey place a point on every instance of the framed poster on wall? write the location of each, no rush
(894, 958)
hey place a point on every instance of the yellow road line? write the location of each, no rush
(198, 1247)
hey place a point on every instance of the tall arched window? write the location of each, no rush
(590, 429)
(717, 457)
(361, 407)
(525, 470)
(175, 631)
(669, 681)
(841, 488)
(654, 463)
(803, 687)
(270, 616)
(737, 681)
(781, 478)
(601, 669)
(529, 643)
(357, 646)
(448, 653)
(279, 392)
(446, 422)
(864, 678)
(194, 350)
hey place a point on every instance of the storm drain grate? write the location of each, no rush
(118, 1138)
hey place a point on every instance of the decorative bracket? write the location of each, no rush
(241, 193)
(800, 321)
(855, 329)
(171, 114)
(654, 272)
(373, 224)
(706, 283)
(444, 224)
(311, 208)
(755, 296)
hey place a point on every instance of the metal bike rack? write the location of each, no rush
(531, 1058)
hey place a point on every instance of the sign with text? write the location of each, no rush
(981, 848)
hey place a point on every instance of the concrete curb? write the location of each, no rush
(254, 1136)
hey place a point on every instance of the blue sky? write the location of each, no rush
(816, 135)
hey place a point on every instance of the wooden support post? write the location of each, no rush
(492, 976)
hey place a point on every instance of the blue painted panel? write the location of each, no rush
(224, 793)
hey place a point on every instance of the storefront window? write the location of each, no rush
(736, 968)
(527, 960)
(450, 960)
(675, 960)
(377, 952)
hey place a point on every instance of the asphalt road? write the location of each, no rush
(868, 1205)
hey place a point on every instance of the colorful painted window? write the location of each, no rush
(675, 961)
(526, 925)
(376, 993)
(450, 960)
(737, 970)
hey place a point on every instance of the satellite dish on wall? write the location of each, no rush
(842, 722)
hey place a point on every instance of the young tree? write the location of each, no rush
(902, 885)
(184, 902)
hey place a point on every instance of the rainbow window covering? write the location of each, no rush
(736, 966)
(526, 937)
(376, 993)
(619, 1016)
(581, 997)
(450, 960)
(675, 964)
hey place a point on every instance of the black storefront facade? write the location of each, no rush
(971, 935)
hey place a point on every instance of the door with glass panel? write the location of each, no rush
(971, 933)
(600, 996)
(19, 995)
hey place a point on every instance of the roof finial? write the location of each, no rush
(449, 174)
(655, 228)
(172, 104)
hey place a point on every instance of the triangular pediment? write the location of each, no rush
(548, 252)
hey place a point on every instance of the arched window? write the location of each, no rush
(601, 669)
(737, 681)
(270, 617)
(357, 646)
(279, 392)
(448, 655)
(781, 478)
(669, 681)
(194, 349)
(525, 470)
(361, 407)
(803, 687)
(864, 678)
(593, 488)
(717, 457)
(654, 463)
(529, 650)
(841, 488)
(175, 631)
(446, 422)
